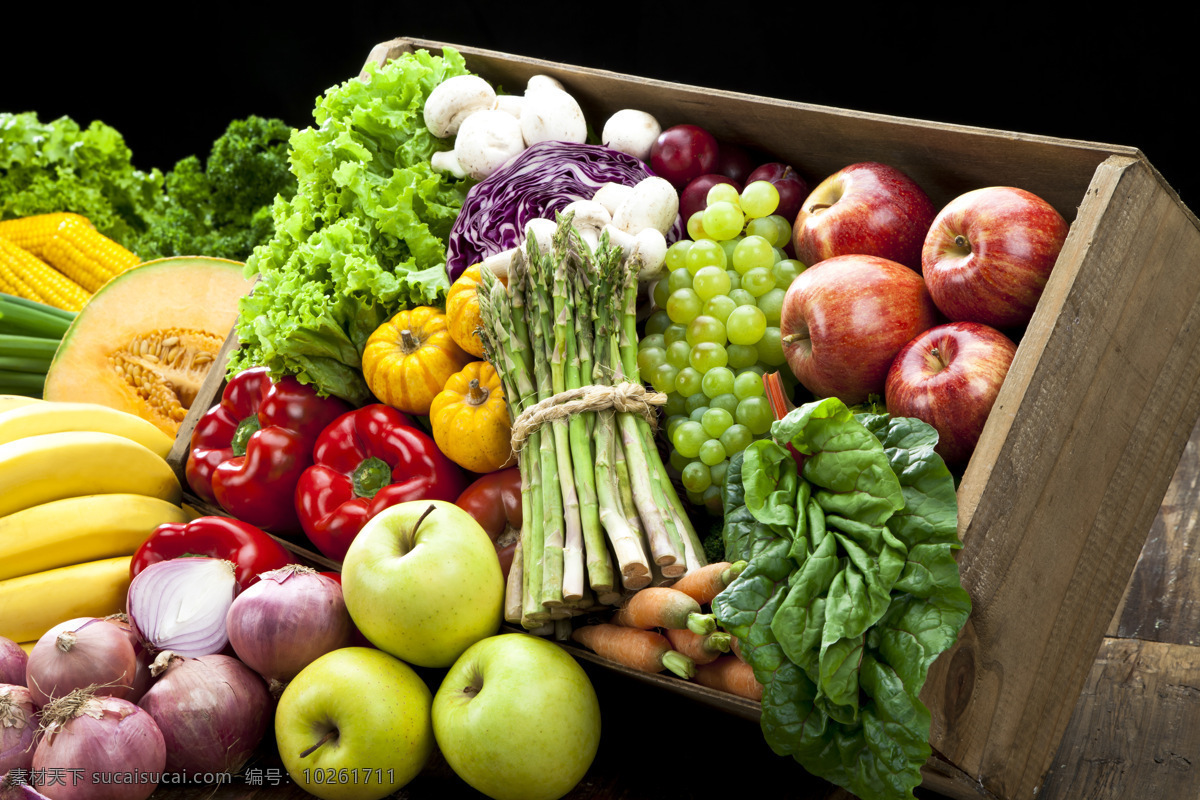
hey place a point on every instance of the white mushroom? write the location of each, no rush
(486, 140)
(653, 203)
(542, 231)
(455, 99)
(447, 161)
(611, 195)
(588, 214)
(552, 115)
(632, 132)
(651, 247)
(619, 238)
(510, 103)
(543, 82)
(499, 263)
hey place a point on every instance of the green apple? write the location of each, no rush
(354, 725)
(422, 581)
(517, 718)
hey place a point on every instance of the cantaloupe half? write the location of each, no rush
(147, 339)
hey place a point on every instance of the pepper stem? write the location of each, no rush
(241, 435)
(371, 475)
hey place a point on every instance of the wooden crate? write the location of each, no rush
(1100, 400)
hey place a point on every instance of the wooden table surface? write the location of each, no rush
(1135, 732)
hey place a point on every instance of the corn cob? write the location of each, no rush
(87, 256)
(34, 232)
(27, 276)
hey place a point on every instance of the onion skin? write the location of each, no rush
(12, 663)
(93, 740)
(141, 676)
(18, 728)
(159, 592)
(287, 620)
(212, 711)
(11, 790)
(80, 653)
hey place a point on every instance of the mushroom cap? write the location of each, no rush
(486, 140)
(632, 132)
(552, 115)
(455, 99)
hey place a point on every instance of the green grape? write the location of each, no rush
(764, 227)
(658, 321)
(677, 354)
(722, 193)
(687, 380)
(649, 358)
(688, 438)
(755, 413)
(729, 402)
(770, 348)
(716, 421)
(674, 405)
(783, 231)
(719, 307)
(683, 306)
(662, 378)
(696, 477)
(735, 279)
(711, 281)
(676, 254)
(717, 381)
(673, 421)
(729, 245)
(697, 400)
(705, 253)
(760, 199)
(710, 498)
(698, 413)
(771, 304)
(695, 227)
(652, 340)
(717, 472)
(748, 384)
(780, 255)
(705, 329)
(711, 452)
(757, 281)
(674, 333)
(742, 297)
(696, 498)
(677, 279)
(660, 293)
(786, 270)
(736, 437)
(722, 220)
(746, 325)
(707, 355)
(678, 462)
(752, 252)
(741, 355)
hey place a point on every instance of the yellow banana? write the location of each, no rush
(46, 417)
(51, 466)
(78, 529)
(8, 401)
(33, 604)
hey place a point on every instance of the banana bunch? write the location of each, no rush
(81, 487)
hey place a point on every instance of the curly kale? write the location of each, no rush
(223, 207)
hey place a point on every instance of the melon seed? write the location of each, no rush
(166, 368)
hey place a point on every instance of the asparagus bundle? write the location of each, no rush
(563, 337)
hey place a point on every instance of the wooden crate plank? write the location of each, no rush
(1136, 732)
(1057, 501)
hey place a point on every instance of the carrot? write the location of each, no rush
(645, 651)
(701, 649)
(705, 583)
(663, 607)
(735, 647)
(730, 674)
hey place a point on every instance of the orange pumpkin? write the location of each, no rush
(470, 420)
(462, 311)
(409, 358)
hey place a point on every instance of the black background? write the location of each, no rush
(172, 86)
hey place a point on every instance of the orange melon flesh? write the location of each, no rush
(147, 339)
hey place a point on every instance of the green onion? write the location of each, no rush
(28, 384)
(30, 318)
(14, 345)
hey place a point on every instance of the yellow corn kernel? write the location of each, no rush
(33, 279)
(87, 256)
(33, 233)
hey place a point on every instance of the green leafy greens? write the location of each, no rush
(365, 234)
(851, 590)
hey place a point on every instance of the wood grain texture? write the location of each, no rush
(1059, 497)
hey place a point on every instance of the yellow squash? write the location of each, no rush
(409, 358)
(470, 420)
(462, 311)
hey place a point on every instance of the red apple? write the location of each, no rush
(791, 187)
(845, 318)
(949, 376)
(694, 196)
(989, 253)
(866, 209)
(683, 152)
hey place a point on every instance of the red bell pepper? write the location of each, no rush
(366, 460)
(249, 450)
(494, 500)
(251, 549)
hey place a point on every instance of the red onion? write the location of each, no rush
(180, 604)
(141, 676)
(78, 653)
(105, 747)
(16, 786)
(286, 621)
(18, 728)
(213, 711)
(12, 662)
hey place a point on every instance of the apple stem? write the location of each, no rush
(815, 207)
(329, 736)
(421, 519)
(961, 241)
